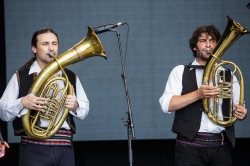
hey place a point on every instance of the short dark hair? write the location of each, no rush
(210, 30)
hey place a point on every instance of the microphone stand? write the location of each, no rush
(129, 121)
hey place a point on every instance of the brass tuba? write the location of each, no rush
(232, 32)
(45, 85)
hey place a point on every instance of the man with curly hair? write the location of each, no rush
(199, 140)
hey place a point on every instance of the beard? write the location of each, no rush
(203, 58)
(203, 55)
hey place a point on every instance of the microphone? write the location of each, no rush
(107, 27)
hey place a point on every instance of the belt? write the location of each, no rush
(61, 138)
(205, 139)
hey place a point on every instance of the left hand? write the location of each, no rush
(240, 112)
(71, 102)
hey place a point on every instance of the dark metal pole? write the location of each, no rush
(129, 122)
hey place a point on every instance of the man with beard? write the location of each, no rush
(199, 140)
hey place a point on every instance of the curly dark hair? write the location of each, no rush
(210, 30)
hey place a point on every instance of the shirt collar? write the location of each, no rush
(194, 63)
(35, 68)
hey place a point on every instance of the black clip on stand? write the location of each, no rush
(129, 121)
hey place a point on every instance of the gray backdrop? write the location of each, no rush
(158, 40)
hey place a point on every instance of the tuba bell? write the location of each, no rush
(213, 70)
(45, 85)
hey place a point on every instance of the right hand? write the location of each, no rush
(33, 102)
(208, 91)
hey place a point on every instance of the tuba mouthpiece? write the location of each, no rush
(208, 50)
(50, 54)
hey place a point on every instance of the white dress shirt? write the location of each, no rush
(174, 88)
(11, 107)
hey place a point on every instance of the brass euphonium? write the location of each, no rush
(45, 85)
(232, 32)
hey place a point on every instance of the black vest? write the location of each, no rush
(25, 81)
(187, 120)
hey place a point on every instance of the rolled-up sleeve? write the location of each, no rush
(83, 109)
(10, 105)
(173, 87)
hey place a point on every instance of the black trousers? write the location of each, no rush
(46, 155)
(186, 155)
